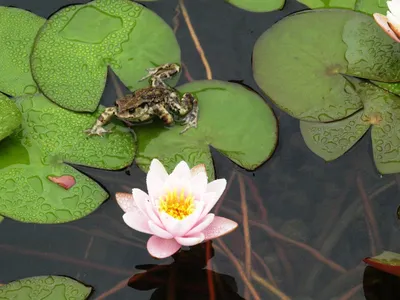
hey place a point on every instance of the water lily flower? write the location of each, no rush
(391, 22)
(176, 209)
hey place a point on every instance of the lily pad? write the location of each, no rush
(45, 287)
(371, 53)
(18, 31)
(301, 65)
(366, 6)
(383, 110)
(258, 5)
(10, 116)
(387, 261)
(393, 87)
(232, 119)
(332, 140)
(48, 136)
(77, 44)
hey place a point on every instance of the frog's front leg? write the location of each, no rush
(161, 73)
(102, 120)
(189, 109)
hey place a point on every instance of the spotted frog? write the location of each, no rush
(157, 100)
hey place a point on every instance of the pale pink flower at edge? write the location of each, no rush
(391, 22)
(176, 209)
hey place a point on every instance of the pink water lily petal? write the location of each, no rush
(158, 231)
(153, 214)
(162, 248)
(191, 240)
(137, 220)
(219, 227)
(125, 201)
(201, 225)
(209, 200)
(155, 179)
(382, 21)
(217, 186)
(180, 227)
(199, 184)
(198, 169)
(394, 7)
(182, 170)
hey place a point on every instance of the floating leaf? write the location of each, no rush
(332, 140)
(371, 54)
(383, 111)
(49, 136)
(393, 87)
(232, 119)
(17, 35)
(45, 287)
(387, 261)
(10, 117)
(366, 6)
(75, 46)
(258, 5)
(290, 66)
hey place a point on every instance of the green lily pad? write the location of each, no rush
(258, 5)
(306, 82)
(332, 140)
(17, 35)
(371, 53)
(48, 136)
(301, 65)
(77, 44)
(45, 287)
(235, 121)
(383, 109)
(10, 116)
(366, 6)
(393, 87)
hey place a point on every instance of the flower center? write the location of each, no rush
(178, 205)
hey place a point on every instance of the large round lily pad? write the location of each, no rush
(232, 119)
(300, 61)
(45, 287)
(10, 116)
(18, 31)
(77, 44)
(258, 5)
(48, 136)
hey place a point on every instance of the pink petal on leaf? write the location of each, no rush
(162, 248)
(137, 220)
(382, 21)
(65, 181)
(191, 240)
(201, 225)
(219, 227)
(125, 201)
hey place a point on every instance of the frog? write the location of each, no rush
(157, 100)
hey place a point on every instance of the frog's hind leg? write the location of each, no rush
(161, 73)
(189, 108)
(102, 120)
(161, 112)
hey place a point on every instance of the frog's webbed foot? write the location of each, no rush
(158, 74)
(100, 131)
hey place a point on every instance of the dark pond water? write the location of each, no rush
(315, 232)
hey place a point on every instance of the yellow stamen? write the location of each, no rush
(177, 206)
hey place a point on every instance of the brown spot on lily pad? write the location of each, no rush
(390, 29)
(65, 181)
